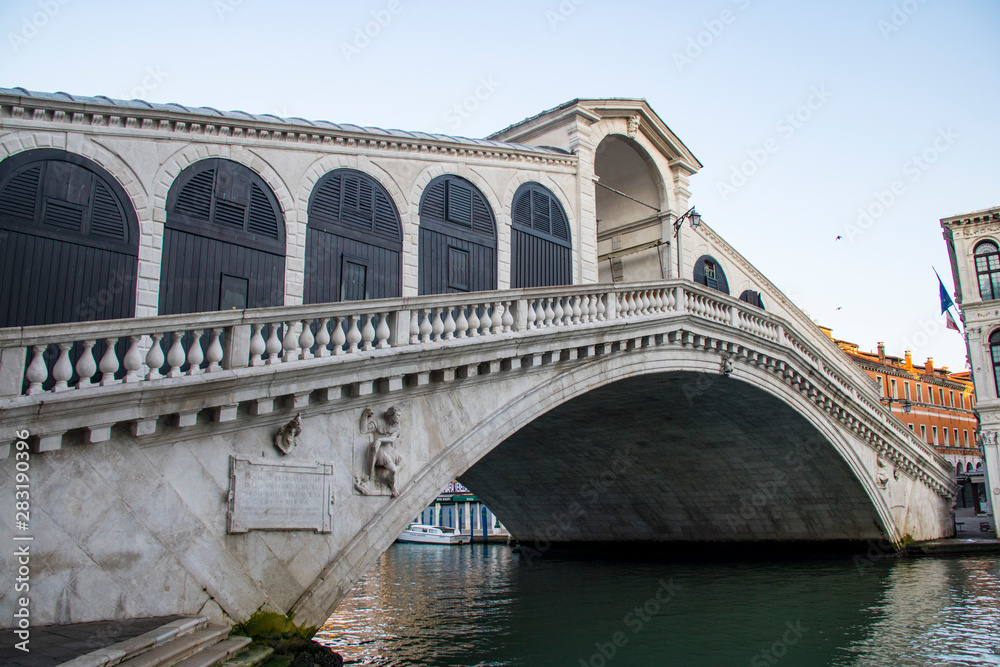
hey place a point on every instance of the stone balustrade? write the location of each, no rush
(38, 364)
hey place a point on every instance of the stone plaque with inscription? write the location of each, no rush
(272, 495)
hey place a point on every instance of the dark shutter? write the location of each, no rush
(541, 252)
(753, 298)
(69, 241)
(457, 238)
(718, 283)
(224, 241)
(352, 219)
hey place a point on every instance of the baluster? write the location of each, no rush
(154, 358)
(437, 326)
(658, 300)
(306, 339)
(323, 338)
(133, 359)
(540, 314)
(273, 348)
(195, 356)
(86, 366)
(367, 333)
(498, 313)
(508, 317)
(290, 343)
(585, 309)
(425, 326)
(38, 372)
(339, 337)
(487, 321)
(602, 310)
(549, 312)
(530, 319)
(63, 370)
(670, 300)
(353, 335)
(383, 332)
(214, 354)
(629, 304)
(577, 311)
(473, 320)
(257, 345)
(414, 327)
(175, 355)
(462, 325)
(109, 363)
(449, 323)
(557, 311)
(645, 302)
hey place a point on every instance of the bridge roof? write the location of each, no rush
(597, 108)
(29, 97)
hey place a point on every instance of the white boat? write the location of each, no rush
(424, 534)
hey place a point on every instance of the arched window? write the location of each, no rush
(69, 241)
(458, 239)
(968, 467)
(541, 251)
(995, 356)
(988, 270)
(753, 298)
(958, 468)
(223, 242)
(354, 241)
(707, 271)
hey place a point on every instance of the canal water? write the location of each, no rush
(489, 606)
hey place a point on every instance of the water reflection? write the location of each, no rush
(479, 605)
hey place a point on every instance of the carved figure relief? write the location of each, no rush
(633, 127)
(882, 476)
(382, 460)
(286, 437)
(726, 364)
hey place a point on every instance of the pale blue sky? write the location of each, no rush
(894, 77)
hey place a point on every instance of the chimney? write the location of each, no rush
(881, 353)
(929, 366)
(908, 363)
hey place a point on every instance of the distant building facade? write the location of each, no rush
(457, 507)
(973, 241)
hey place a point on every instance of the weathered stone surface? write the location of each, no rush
(286, 495)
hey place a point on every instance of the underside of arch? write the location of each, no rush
(673, 457)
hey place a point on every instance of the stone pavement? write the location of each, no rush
(55, 644)
(972, 525)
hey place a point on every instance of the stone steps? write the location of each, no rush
(181, 648)
(217, 654)
(249, 657)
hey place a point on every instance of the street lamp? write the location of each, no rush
(907, 406)
(695, 218)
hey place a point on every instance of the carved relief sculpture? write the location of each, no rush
(726, 364)
(382, 461)
(286, 437)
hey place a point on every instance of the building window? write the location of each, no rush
(934, 431)
(708, 272)
(920, 395)
(988, 270)
(892, 383)
(879, 378)
(951, 397)
(944, 434)
(956, 437)
(753, 298)
(941, 395)
(911, 426)
(995, 354)
(966, 434)
(923, 433)
(906, 388)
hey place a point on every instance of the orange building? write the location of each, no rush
(935, 403)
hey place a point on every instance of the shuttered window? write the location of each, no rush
(753, 298)
(345, 199)
(227, 201)
(708, 272)
(69, 241)
(541, 252)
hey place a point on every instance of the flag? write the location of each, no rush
(946, 305)
(946, 301)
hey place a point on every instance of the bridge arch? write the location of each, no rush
(500, 420)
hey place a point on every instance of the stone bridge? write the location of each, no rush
(652, 412)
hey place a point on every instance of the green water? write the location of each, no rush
(478, 605)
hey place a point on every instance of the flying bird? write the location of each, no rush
(838, 237)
